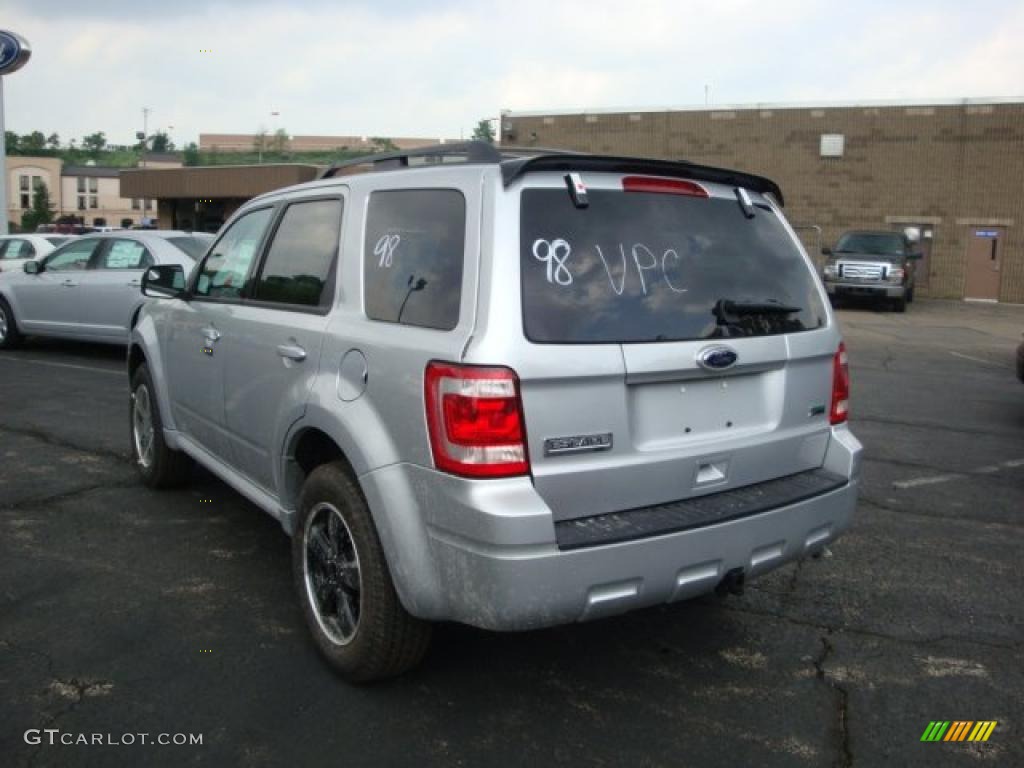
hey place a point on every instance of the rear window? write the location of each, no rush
(643, 267)
(413, 255)
(193, 247)
(57, 240)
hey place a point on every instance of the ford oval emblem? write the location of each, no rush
(717, 358)
(14, 52)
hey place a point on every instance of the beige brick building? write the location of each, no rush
(89, 192)
(954, 170)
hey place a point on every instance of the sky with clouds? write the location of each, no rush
(421, 68)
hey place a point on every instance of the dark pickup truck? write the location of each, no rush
(877, 265)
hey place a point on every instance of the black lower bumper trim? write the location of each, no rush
(696, 512)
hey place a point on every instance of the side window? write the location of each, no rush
(126, 254)
(222, 274)
(413, 257)
(72, 256)
(17, 249)
(298, 267)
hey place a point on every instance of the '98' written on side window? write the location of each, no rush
(413, 257)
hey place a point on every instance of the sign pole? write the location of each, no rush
(14, 52)
(3, 164)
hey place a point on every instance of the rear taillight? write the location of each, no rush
(840, 409)
(475, 420)
(663, 186)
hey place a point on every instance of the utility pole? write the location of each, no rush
(145, 134)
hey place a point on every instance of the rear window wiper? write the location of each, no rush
(730, 307)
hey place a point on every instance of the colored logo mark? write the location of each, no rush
(959, 730)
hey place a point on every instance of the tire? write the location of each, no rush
(158, 465)
(344, 586)
(900, 304)
(10, 336)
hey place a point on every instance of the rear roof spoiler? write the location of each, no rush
(511, 170)
(516, 162)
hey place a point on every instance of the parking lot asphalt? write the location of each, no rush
(126, 611)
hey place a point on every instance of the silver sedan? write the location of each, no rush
(15, 250)
(88, 288)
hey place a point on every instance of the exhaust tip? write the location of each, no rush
(732, 583)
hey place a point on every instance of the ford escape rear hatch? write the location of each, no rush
(705, 293)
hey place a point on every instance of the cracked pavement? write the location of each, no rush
(128, 611)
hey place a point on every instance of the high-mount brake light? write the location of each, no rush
(839, 411)
(475, 420)
(663, 186)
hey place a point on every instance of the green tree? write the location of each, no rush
(32, 142)
(162, 142)
(382, 144)
(484, 131)
(41, 211)
(191, 154)
(94, 142)
(53, 141)
(279, 141)
(13, 142)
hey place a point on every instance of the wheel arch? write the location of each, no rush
(402, 532)
(308, 448)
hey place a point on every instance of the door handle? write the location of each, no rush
(69, 283)
(134, 283)
(211, 334)
(292, 352)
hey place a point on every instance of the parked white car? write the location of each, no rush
(88, 288)
(15, 250)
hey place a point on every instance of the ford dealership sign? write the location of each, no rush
(14, 52)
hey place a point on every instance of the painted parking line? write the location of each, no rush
(981, 360)
(989, 469)
(52, 364)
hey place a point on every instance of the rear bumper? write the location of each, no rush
(879, 290)
(490, 556)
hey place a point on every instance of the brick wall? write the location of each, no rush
(950, 166)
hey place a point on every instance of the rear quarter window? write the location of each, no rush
(413, 257)
(648, 267)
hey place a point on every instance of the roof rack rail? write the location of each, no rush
(480, 152)
(471, 151)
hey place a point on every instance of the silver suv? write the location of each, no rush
(506, 389)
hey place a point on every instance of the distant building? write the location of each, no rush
(202, 198)
(952, 170)
(89, 192)
(246, 142)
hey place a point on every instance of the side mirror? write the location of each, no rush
(164, 281)
(915, 256)
(826, 251)
(32, 267)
